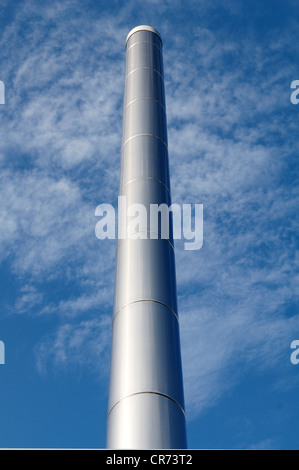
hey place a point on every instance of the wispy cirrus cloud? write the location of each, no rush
(60, 140)
(45, 217)
(85, 344)
(57, 109)
(231, 140)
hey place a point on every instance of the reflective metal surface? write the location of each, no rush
(144, 156)
(144, 117)
(146, 421)
(144, 83)
(146, 399)
(144, 36)
(145, 271)
(147, 363)
(147, 208)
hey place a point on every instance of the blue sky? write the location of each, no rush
(233, 147)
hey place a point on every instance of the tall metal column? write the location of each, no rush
(146, 400)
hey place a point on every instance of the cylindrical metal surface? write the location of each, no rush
(146, 399)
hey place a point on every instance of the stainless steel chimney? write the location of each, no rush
(146, 400)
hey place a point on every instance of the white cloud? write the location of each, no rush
(85, 344)
(230, 135)
(29, 296)
(267, 444)
(46, 219)
(222, 339)
(57, 109)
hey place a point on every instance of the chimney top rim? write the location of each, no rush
(143, 28)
